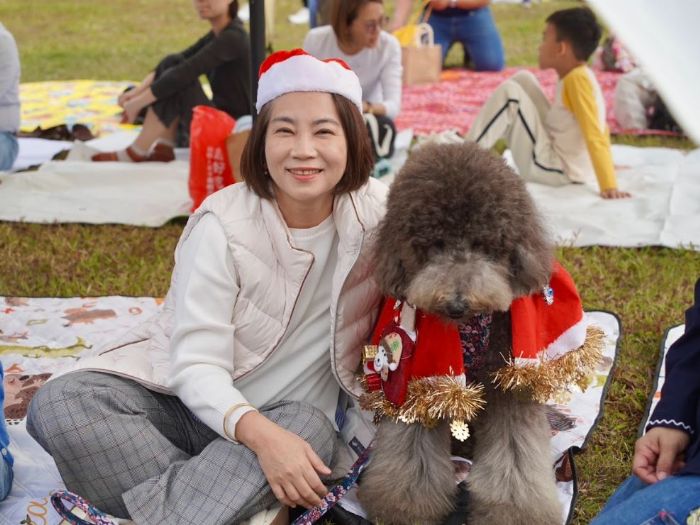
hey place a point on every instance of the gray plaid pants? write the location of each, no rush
(137, 453)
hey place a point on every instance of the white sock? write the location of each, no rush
(123, 156)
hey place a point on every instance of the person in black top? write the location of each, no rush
(171, 91)
(665, 485)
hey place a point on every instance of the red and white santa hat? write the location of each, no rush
(296, 70)
(548, 324)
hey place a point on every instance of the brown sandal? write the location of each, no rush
(111, 156)
(161, 152)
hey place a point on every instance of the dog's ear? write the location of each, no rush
(389, 271)
(391, 275)
(530, 269)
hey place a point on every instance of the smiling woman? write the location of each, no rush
(270, 301)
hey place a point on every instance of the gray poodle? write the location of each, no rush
(461, 236)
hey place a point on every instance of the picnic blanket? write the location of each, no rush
(454, 101)
(664, 210)
(89, 102)
(43, 336)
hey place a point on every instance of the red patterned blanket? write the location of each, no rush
(454, 102)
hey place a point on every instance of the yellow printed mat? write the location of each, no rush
(89, 102)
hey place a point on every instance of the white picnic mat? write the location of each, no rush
(45, 335)
(664, 209)
(141, 194)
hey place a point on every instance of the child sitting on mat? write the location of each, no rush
(561, 142)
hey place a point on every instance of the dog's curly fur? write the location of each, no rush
(461, 236)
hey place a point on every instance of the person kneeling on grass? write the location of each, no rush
(665, 485)
(171, 91)
(226, 402)
(564, 142)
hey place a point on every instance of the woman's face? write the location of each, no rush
(306, 153)
(365, 29)
(209, 9)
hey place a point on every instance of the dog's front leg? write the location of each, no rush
(410, 479)
(512, 479)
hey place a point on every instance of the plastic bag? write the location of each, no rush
(210, 169)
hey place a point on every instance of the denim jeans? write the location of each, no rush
(8, 150)
(478, 34)
(313, 13)
(5, 478)
(665, 502)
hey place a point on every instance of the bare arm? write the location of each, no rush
(402, 9)
(128, 95)
(135, 104)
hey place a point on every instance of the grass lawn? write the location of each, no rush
(649, 288)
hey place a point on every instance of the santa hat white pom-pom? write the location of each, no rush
(289, 71)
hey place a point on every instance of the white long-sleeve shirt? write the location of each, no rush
(378, 68)
(202, 342)
(9, 82)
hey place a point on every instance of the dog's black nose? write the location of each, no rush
(455, 309)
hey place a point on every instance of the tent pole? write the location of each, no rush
(257, 46)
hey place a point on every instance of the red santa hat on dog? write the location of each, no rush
(296, 70)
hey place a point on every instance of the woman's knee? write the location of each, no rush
(168, 62)
(42, 413)
(63, 405)
(309, 423)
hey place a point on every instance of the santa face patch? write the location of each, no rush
(392, 362)
(388, 354)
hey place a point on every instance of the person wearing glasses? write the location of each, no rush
(355, 35)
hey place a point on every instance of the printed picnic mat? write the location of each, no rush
(454, 102)
(89, 102)
(43, 336)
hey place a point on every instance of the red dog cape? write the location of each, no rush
(414, 368)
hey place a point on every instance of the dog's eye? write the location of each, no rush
(436, 247)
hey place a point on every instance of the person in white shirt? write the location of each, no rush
(355, 35)
(225, 403)
(9, 99)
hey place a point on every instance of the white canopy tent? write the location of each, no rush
(664, 38)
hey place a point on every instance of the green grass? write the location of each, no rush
(649, 288)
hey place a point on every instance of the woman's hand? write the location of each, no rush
(659, 453)
(128, 95)
(289, 463)
(132, 107)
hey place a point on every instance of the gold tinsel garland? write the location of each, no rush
(428, 400)
(549, 377)
(431, 399)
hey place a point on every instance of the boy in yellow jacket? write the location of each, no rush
(566, 141)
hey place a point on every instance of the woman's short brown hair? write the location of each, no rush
(343, 14)
(360, 160)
